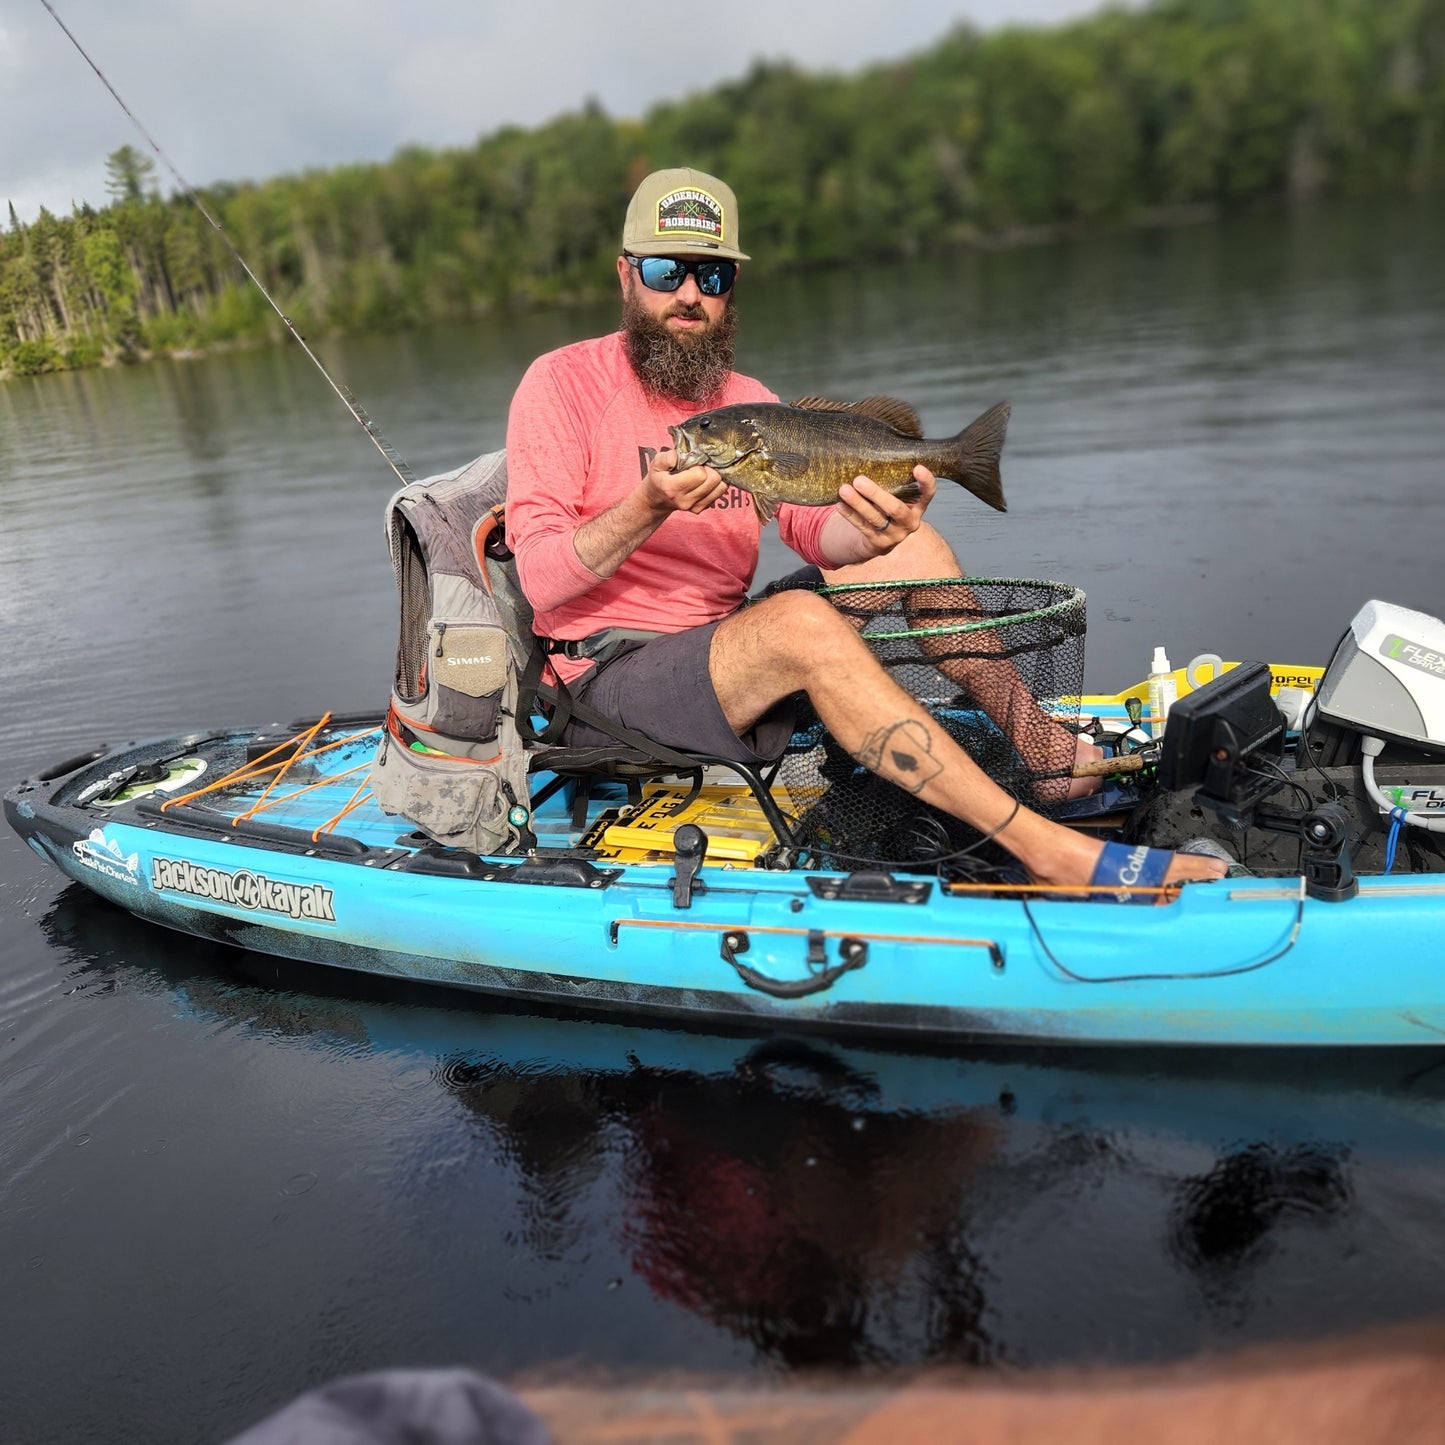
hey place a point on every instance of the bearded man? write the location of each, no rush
(641, 572)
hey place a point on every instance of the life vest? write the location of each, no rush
(452, 760)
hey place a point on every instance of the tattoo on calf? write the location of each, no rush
(902, 752)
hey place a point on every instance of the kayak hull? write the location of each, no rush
(1243, 962)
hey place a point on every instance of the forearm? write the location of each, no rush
(842, 544)
(607, 540)
(866, 522)
(560, 563)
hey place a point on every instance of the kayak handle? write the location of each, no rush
(852, 953)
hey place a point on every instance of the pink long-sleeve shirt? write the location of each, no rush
(580, 435)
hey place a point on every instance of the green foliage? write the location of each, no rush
(115, 283)
(82, 353)
(31, 358)
(129, 175)
(1182, 102)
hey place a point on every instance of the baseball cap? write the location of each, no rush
(682, 212)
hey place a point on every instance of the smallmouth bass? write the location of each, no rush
(803, 453)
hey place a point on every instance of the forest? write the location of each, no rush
(1177, 109)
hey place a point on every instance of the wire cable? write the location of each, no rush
(1069, 973)
(1300, 791)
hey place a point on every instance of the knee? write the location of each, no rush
(920, 556)
(924, 554)
(803, 612)
(802, 625)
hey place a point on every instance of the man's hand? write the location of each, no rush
(694, 489)
(881, 519)
(609, 539)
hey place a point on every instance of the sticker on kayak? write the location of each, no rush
(103, 855)
(175, 776)
(1415, 800)
(243, 889)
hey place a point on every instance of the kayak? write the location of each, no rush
(265, 838)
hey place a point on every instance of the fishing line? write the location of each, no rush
(347, 399)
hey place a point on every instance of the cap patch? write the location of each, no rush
(692, 213)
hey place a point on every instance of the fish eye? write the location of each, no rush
(705, 423)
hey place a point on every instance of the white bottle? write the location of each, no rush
(1162, 691)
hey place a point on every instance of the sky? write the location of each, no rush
(247, 89)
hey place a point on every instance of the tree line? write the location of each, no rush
(1129, 113)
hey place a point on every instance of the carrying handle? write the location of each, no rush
(852, 953)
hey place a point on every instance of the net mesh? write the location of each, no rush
(997, 663)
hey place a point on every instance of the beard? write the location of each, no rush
(692, 366)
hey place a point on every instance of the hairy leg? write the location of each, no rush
(797, 642)
(1045, 744)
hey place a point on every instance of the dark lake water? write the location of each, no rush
(223, 1181)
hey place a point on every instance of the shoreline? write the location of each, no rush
(1017, 238)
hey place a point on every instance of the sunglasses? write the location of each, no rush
(667, 273)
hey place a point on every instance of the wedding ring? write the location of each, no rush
(884, 525)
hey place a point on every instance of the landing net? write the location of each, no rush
(998, 663)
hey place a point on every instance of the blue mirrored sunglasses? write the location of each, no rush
(667, 273)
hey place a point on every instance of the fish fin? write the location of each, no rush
(764, 508)
(820, 403)
(891, 412)
(973, 456)
(887, 409)
(787, 465)
(908, 491)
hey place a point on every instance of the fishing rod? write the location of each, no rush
(403, 472)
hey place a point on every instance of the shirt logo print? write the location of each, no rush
(733, 497)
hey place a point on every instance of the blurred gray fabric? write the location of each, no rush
(402, 1407)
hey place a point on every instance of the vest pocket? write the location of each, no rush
(467, 669)
(456, 801)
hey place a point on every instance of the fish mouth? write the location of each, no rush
(687, 453)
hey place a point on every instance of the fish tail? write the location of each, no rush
(973, 456)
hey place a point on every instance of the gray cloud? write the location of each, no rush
(245, 89)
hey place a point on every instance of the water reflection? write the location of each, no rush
(192, 400)
(818, 1205)
(1226, 1220)
(781, 1199)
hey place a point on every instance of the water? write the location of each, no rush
(223, 1180)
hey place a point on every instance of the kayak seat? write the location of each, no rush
(633, 760)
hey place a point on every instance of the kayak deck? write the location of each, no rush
(606, 926)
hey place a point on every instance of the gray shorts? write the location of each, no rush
(663, 690)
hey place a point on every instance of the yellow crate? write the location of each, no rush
(736, 827)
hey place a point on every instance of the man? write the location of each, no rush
(608, 536)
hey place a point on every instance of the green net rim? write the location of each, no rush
(1074, 599)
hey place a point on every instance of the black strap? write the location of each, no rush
(529, 690)
(565, 708)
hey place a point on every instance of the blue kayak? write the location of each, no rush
(268, 841)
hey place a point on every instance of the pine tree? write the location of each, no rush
(129, 175)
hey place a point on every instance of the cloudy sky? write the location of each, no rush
(245, 89)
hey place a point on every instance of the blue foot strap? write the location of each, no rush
(1123, 867)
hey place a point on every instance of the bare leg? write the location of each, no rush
(1045, 744)
(796, 641)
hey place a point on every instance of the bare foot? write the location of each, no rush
(1194, 867)
(1054, 854)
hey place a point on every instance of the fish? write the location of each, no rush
(801, 453)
